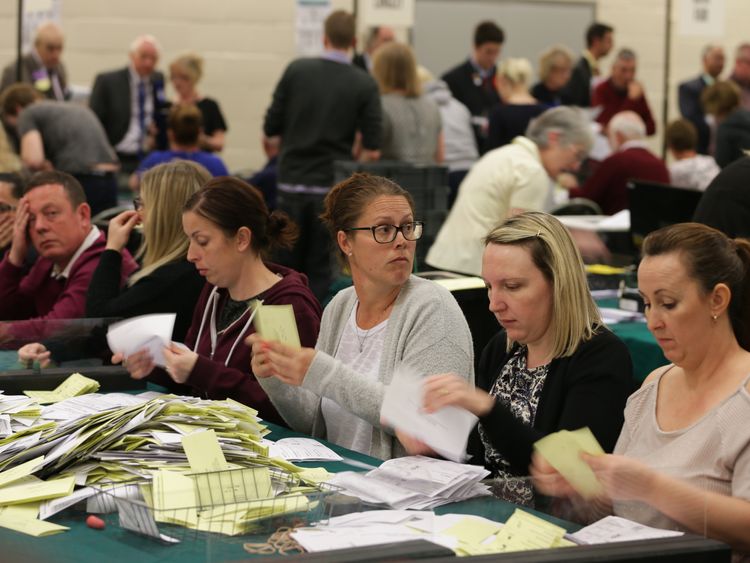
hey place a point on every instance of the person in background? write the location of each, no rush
(690, 91)
(688, 169)
(412, 130)
(230, 233)
(622, 92)
(631, 159)
(11, 192)
(725, 205)
(266, 179)
(184, 126)
(42, 67)
(555, 69)
(460, 145)
(166, 281)
(722, 101)
(508, 181)
(9, 160)
(511, 118)
(553, 366)
(741, 73)
(185, 72)
(389, 318)
(376, 37)
(473, 82)
(599, 42)
(681, 461)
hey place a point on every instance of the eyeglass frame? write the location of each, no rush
(137, 203)
(398, 229)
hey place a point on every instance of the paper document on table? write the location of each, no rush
(29, 491)
(563, 451)
(614, 529)
(277, 322)
(147, 332)
(445, 431)
(73, 386)
(139, 518)
(51, 507)
(5, 428)
(204, 452)
(20, 471)
(22, 518)
(302, 449)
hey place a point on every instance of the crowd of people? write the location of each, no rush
(213, 248)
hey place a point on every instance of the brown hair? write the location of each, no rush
(681, 135)
(230, 204)
(488, 32)
(347, 200)
(72, 187)
(710, 258)
(721, 98)
(395, 69)
(190, 64)
(18, 95)
(185, 122)
(340, 28)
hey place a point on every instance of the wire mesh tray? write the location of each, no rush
(174, 507)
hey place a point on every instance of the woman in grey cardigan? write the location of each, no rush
(388, 318)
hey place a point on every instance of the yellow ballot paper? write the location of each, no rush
(23, 518)
(472, 531)
(563, 451)
(20, 471)
(73, 386)
(277, 322)
(204, 452)
(24, 491)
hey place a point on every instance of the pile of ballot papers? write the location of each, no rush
(415, 482)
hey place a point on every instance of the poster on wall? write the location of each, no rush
(393, 13)
(35, 12)
(701, 17)
(311, 14)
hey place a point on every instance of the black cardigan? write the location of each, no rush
(589, 388)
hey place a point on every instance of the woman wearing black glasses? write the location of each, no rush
(388, 318)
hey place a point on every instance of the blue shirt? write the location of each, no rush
(211, 162)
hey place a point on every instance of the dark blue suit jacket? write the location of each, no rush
(692, 110)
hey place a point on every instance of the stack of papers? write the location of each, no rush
(301, 449)
(73, 386)
(147, 332)
(415, 482)
(613, 529)
(612, 316)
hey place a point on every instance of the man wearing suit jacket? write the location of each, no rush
(473, 82)
(42, 67)
(377, 36)
(599, 43)
(130, 104)
(690, 94)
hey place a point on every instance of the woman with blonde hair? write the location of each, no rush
(185, 72)
(553, 366)
(511, 118)
(555, 68)
(412, 129)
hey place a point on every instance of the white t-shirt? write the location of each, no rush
(695, 172)
(511, 177)
(361, 351)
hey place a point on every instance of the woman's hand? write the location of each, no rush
(34, 352)
(623, 478)
(271, 358)
(414, 446)
(180, 362)
(119, 229)
(547, 480)
(139, 364)
(448, 389)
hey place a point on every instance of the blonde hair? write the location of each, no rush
(395, 69)
(575, 316)
(557, 56)
(516, 71)
(189, 63)
(164, 190)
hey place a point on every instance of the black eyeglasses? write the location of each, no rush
(387, 233)
(137, 203)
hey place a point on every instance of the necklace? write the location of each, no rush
(379, 319)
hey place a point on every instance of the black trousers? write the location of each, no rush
(100, 189)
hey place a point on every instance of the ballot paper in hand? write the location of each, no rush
(445, 431)
(563, 451)
(147, 332)
(277, 322)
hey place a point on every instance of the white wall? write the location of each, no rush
(247, 43)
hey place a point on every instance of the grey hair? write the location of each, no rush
(625, 54)
(628, 124)
(569, 122)
(141, 40)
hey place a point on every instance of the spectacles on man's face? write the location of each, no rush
(137, 203)
(387, 233)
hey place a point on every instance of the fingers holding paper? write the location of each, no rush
(623, 478)
(180, 362)
(34, 352)
(138, 364)
(412, 445)
(547, 480)
(449, 389)
(288, 363)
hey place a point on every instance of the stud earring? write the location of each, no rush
(715, 317)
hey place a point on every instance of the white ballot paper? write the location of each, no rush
(149, 332)
(615, 529)
(302, 449)
(445, 431)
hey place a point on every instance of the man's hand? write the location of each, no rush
(19, 243)
(635, 90)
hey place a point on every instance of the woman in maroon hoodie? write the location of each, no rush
(230, 232)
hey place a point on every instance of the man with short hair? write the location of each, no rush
(376, 37)
(53, 215)
(318, 107)
(42, 67)
(690, 94)
(473, 82)
(599, 41)
(741, 73)
(622, 92)
(65, 137)
(130, 104)
(630, 160)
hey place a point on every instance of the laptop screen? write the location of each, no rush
(654, 205)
